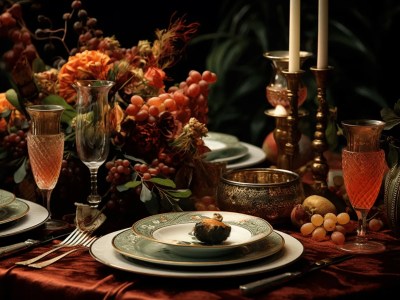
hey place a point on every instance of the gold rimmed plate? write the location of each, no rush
(175, 229)
(131, 245)
(6, 198)
(13, 211)
(102, 251)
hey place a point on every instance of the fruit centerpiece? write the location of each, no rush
(157, 126)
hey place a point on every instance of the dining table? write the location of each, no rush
(81, 276)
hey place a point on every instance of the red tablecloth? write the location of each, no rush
(79, 276)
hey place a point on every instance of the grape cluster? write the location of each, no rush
(119, 171)
(15, 144)
(13, 27)
(187, 100)
(320, 227)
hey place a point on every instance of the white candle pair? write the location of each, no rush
(294, 35)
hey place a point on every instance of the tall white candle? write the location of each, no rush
(294, 36)
(322, 58)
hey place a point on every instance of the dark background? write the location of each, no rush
(232, 37)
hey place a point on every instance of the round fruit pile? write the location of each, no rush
(318, 218)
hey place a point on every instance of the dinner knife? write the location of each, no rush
(29, 243)
(273, 281)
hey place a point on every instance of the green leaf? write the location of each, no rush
(38, 65)
(390, 117)
(20, 174)
(5, 114)
(145, 194)
(163, 181)
(12, 97)
(131, 184)
(182, 193)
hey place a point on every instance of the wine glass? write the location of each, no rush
(45, 143)
(363, 165)
(92, 128)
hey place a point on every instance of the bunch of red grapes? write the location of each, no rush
(15, 144)
(187, 100)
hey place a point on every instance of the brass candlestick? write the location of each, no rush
(293, 134)
(320, 168)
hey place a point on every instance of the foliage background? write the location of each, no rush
(363, 49)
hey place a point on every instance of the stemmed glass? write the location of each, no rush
(45, 143)
(364, 165)
(92, 128)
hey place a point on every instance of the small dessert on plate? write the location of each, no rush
(212, 230)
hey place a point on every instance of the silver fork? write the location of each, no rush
(75, 238)
(48, 262)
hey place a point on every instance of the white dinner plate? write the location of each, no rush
(132, 245)
(224, 147)
(254, 156)
(37, 216)
(217, 140)
(6, 198)
(13, 211)
(175, 229)
(103, 251)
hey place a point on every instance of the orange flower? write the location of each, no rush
(4, 106)
(89, 64)
(155, 77)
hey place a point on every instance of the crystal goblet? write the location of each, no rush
(364, 165)
(45, 143)
(92, 131)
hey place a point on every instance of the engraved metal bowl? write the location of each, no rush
(263, 192)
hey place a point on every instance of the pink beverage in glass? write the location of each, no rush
(46, 155)
(363, 173)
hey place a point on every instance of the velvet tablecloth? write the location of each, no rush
(79, 276)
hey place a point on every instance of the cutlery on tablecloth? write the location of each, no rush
(29, 243)
(273, 281)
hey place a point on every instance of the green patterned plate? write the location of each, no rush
(131, 245)
(224, 147)
(176, 230)
(6, 197)
(13, 211)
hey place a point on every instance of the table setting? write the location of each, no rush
(117, 189)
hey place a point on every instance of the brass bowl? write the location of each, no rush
(267, 193)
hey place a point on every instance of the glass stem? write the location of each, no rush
(94, 198)
(362, 225)
(46, 196)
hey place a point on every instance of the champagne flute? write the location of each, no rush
(92, 128)
(46, 148)
(364, 165)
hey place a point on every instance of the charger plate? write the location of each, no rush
(175, 229)
(103, 251)
(13, 211)
(134, 246)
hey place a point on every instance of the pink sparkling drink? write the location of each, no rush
(363, 173)
(46, 155)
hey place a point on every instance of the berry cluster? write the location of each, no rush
(13, 27)
(15, 144)
(187, 100)
(320, 227)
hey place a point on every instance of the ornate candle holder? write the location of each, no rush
(320, 168)
(293, 134)
(276, 94)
